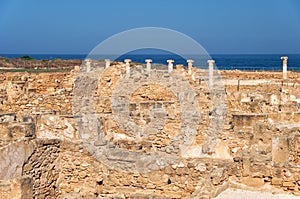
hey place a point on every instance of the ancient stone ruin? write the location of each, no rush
(126, 130)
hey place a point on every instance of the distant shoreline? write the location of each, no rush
(83, 56)
(250, 62)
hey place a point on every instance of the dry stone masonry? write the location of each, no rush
(129, 130)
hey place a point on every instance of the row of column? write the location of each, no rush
(170, 64)
(170, 67)
(190, 62)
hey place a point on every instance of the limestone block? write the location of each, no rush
(276, 181)
(241, 120)
(56, 126)
(288, 184)
(13, 157)
(246, 167)
(280, 150)
(253, 182)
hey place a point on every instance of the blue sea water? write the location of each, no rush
(224, 62)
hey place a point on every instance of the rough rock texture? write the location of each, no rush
(105, 134)
(43, 167)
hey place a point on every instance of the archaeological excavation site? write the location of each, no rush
(143, 130)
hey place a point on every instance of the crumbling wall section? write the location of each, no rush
(43, 167)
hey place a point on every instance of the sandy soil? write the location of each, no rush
(244, 194)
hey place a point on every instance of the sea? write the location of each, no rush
(250, 62)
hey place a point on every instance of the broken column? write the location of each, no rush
(127, 65)
(88, 65)
(107, 63)
(211, 64)
(284, 67)
(170, 65)
(190, 65)
(148, 65)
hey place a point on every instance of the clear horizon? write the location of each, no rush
(21, 54)
(221, 27)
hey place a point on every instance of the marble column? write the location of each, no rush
(127, 65)
(148, 65)
(107, 63)
(88, 65)
(170, 65)
(211, 64)
(284, 67)
(190, 65)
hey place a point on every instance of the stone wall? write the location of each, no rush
(43, 167)
(36, 93)
(149, 135)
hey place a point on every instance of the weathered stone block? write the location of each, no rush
(280, 150)
(246, 167)
(247, 119)
(253, 182)
(20, 188)
(288, 184)
(276, 181)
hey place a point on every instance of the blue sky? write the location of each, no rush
(220, 26)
